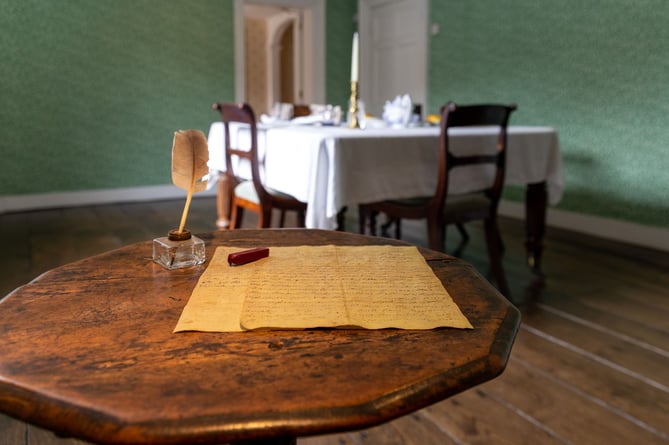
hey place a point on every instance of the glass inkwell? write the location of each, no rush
(178, 250)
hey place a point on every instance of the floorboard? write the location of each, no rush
(589, 366)
(636, 331)
(588, 419)
(608, 347)
(474, 417)
(573, 368)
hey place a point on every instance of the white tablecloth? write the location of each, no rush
(332, 167)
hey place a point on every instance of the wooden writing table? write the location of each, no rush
(87, 350)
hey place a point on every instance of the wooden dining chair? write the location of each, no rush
(442, 209)
(251, 194)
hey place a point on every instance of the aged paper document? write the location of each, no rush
(372, 287)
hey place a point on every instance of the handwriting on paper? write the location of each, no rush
(300, 287)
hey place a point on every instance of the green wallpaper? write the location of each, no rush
(92, 91)
(598, 71)
(339, 29)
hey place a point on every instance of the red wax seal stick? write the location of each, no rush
(247, 256)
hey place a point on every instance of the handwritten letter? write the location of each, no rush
(371, 287)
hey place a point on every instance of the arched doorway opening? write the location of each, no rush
(279, 52)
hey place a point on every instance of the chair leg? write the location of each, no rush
(236, 216)
(435, 235)
(362, 219)
(464, 240)
(223, 201)
(493, 238)
(372, 222)
(463, 231)
(389, 222)
(265, 218)
(444, 233)
(501, 243)
(384, 226)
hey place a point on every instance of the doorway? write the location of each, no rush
(279, 52)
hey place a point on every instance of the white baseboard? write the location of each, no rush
(623, 231)
(18, 203)
(637, 234)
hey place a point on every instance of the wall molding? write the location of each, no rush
(646, 236)
(637, 234)
(21, 203)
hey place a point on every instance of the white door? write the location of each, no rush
(393, 50)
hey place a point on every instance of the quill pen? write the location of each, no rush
(190, 154)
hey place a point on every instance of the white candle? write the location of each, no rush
(354, 59)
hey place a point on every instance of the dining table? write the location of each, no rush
(334, 168)
(89, 350)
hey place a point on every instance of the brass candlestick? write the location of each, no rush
(353, 106)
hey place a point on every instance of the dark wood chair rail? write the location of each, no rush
(87, 350)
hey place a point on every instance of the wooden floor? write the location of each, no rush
(590, 364)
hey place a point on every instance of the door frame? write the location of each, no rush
(313, 41)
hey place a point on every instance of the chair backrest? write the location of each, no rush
(241, 113)
(483, 115)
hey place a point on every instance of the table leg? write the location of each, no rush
(223, 201)
(535, 224)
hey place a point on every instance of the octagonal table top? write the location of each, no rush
(87, 350)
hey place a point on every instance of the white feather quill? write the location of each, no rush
(190, 154)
